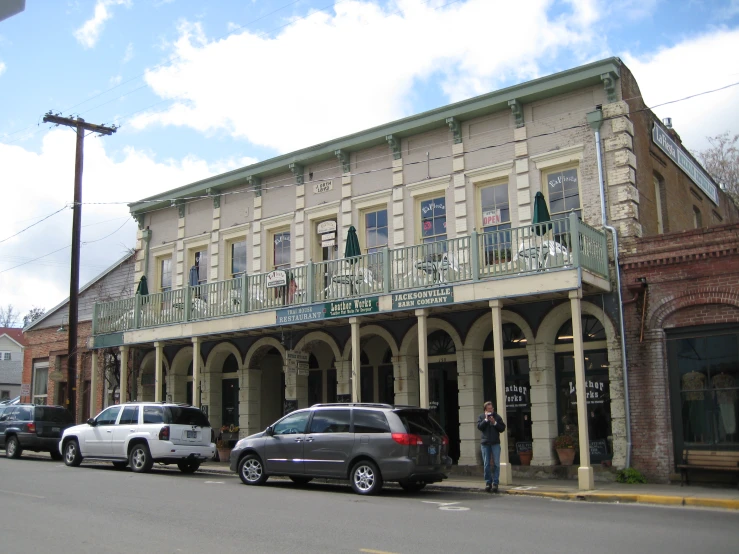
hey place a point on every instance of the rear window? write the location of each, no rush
(419, 422)
(53, 415)
(186, 416)
(367, 421)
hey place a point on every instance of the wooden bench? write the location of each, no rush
(714, 460)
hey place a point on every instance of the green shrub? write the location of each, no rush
(631, 476)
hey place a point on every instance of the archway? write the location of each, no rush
(220, 396)
(147, 377)
(378, 349)
(321, 383)
(181, 376)
(264, 363)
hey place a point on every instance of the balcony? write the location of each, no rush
(562, 244)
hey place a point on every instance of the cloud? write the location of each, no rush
(41, 183)
(691, 66)
(3, 67)
(327, 75)
(115, 81)
(89, 33)
(128, 56)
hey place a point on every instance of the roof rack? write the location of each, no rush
(354, 404)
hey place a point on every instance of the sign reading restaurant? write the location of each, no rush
(678, 155)
(423, 298)
(340, 308)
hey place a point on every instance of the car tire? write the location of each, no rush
(301, 480)
(55, 455)
(188, 466)
(365, 478)
(120, 465)
(72, 456)
(251, 470)
(13, 447)
(412, 486)
(140, 458)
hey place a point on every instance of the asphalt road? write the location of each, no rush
(45, 506)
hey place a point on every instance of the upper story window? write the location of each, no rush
(658, 184)
(375, 229)
(238, 258)
(563, 190)
(165, 274)
(5, 356)
(697, 217)
(281, 250)
(433, 219)
(199, 270)
(496, 213)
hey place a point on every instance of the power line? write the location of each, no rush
(39, 221)
(106, 236)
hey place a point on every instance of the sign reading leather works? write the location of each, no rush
(423, 298)
(341, 308)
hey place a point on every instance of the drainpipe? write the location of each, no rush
(595, 119)
(146, 237)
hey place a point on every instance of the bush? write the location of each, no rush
(564, 441)
(631, 476)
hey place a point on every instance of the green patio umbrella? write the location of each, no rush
(143, 288)
(541, 215)
(352, 245)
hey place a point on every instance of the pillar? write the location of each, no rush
(158, 380)
(124, 374)
(469, 382)
(585, 471)
(405, 373)
(196, 372)
(356, 359)
(250, 389)
(423, 359)
(543, 403)
(343, 381)
(94, 382)
(496, 306)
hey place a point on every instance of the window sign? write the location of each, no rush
(433, 219)
(491, 217)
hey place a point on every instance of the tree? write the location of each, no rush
(722, 162)
(8, 316)
(32, 315)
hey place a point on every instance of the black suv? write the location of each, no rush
(29, 427)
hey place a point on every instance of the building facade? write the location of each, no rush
(460, 291)
(12, 344)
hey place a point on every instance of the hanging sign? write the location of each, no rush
(301, 314)
(328, 236)
(326, 227)
(297, 356)
(323, 186)
(328, 243)
(276, 278)
(303, 372)
(490, 217)
(353, 307)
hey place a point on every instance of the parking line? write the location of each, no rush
(369, 551)
(23, 494)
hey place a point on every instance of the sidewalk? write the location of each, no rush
(668, 495)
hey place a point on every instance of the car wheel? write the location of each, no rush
(301, 480)
(120, 465)
(251, 470)
(408, 486)
(13, 447)
(140, 458)
(72, 456)
(55, 455)
(188, 466)
(366, 478)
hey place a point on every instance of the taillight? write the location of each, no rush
(407, 439)
(31, 427)
(164, 433)
(445, 440)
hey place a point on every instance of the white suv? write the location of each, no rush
(141, 433)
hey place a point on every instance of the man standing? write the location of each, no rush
(491, 426)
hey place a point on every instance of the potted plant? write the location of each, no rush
(565, 447)
(224, 450)
(525, 457)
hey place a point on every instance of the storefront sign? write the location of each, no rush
(599, 448)
(353, 307)
(26, 389)
(328, 236)
(297, 356)
(301, 314)
(490, 217)
(328, 243)
(678, 155)
(423, 298)
(323, 186)
(326, 227)
(303, 372)
(517, 396)
(595, 391)
(276, 278)
(524, 446)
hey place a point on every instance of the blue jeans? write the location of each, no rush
(488, 450)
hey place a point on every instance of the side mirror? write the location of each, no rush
(91, 422)
(269, 431)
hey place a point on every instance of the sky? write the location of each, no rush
(199, 88)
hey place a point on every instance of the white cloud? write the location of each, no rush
(692, 66)
(332, 74)
(3, 67)
(114, 81)
(128, 56)
(89, 33)
(41, 183)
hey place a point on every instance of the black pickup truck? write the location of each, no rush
(36, 428)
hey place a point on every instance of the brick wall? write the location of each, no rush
(692, 279)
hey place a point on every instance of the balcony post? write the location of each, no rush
(496, 307)
(244, 295)
(475, 255)
(188, 303)
(423, 359)
(574, 239)
(585, 471)
(310, 282)
(93, 382)
(124, 376)
(94, 319)
(196, 371)
(158, 373)
(386, 270)
(137, 311)
(356, 357)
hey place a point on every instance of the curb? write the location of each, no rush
(654, 499)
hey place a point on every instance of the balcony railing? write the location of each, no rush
(523, 250)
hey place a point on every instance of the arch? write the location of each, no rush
(322, 337)
(368, 331)
(482, 327)
(182, 360)
(218, 355)
(560, 314)
(259, 348)
(148, 364)
(434, 324)
(707, 295)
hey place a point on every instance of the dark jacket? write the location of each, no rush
(490, 434)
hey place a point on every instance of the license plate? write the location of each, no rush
(192, 434)
(432, 450)
(55, 429)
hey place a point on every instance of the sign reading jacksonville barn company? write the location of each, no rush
(423, 298)
(340, 308)
(678, 155)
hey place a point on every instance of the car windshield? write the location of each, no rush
(54, 415)
(185, 416)
(419, 422)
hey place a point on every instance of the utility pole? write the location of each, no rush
(74, 281)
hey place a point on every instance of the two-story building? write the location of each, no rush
(485, 270)
(12, 344)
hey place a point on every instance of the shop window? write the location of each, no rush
(40, 384)
(439, 343)
(433, 219)
(513, 337)
(592, 330)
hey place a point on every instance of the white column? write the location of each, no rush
(423, 359)
(94, 382)
(584, 472)
(405, 386)
(249, 402)
(356, 359)
(196, 372)
(343, 380)
(543, 403)
(158, 380)
(469, 381)
(124, 374)
(496, 306)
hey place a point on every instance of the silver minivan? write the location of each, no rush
(368, 444)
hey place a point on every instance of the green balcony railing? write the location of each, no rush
(559, 244)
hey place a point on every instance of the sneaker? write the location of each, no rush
(488, 487)
(495, 487)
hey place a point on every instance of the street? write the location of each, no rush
(95, 508)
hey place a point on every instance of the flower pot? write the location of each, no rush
(224, 454)
(525, 457)
(566, 456)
